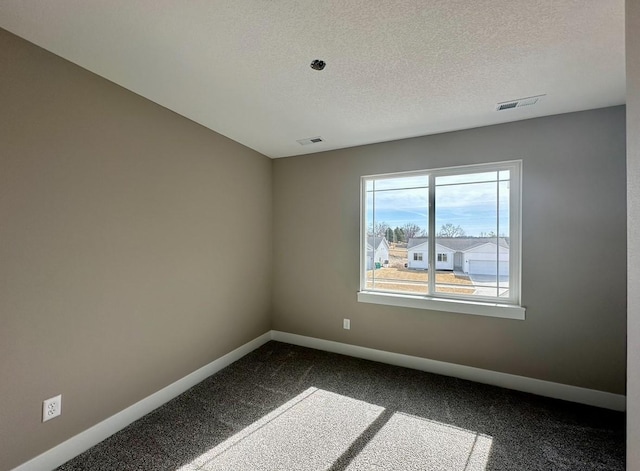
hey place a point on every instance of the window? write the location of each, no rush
(473, 213)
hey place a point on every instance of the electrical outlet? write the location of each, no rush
(346, 324)
(51, 408)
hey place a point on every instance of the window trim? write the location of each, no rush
(487, 306)
(505, 311)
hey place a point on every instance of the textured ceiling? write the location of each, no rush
(395, 69)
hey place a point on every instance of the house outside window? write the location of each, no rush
(471, 264)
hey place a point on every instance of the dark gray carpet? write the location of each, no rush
(284, 407)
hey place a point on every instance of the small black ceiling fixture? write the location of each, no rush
(318, 64)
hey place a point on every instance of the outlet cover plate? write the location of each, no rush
(51, 408)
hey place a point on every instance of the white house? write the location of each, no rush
(472, 255)
(418, 254)
(486, 259)
(380, 254)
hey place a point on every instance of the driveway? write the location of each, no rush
(486, 285)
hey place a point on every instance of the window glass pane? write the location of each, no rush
(368, 211)
(467, 178)
(369, 222)
(505, 246)
(400, 214)
(468, 210)
(466, 225)
(415, 181)
(397, 208)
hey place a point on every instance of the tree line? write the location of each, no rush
(397, 234)
(410, 231)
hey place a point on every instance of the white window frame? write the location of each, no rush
(509, 308)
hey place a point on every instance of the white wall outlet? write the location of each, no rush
(346, 324)
(51, 408)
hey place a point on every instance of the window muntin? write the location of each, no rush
(475, 216)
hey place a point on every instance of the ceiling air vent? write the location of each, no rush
(519, 103)
(310, 140)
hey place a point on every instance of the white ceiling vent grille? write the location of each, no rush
(519, 103)
(310, 140)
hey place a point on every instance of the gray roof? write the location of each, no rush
(370, 241)
(416, 241)
(459, 244)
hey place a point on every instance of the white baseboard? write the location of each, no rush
(566, 392)
(83, 441)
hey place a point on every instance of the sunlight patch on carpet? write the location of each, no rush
(309, 432)
(408, 442)
(319, 429)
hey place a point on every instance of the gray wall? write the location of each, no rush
(574, 251)
(633, 221)
(135, 247)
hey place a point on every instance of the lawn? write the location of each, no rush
(415, 281)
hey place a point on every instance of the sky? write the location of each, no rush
(474, 202)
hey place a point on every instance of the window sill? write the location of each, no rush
(506, 311)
